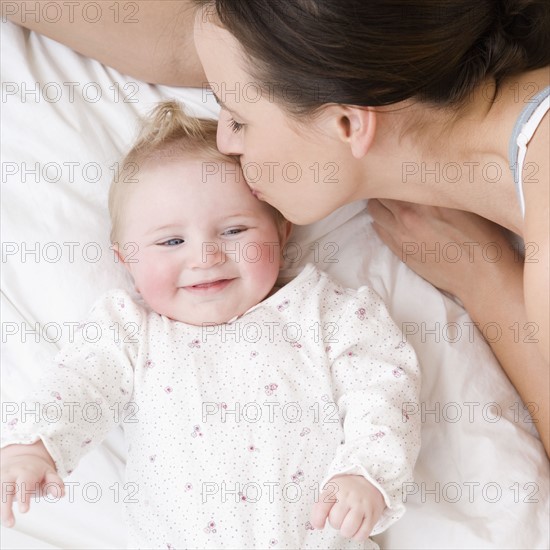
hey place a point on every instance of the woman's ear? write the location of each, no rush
(357, 127)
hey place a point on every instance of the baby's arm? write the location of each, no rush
(75, 405)
(375, 378)
(25, 470)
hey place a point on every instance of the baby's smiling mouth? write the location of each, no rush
(209, 286)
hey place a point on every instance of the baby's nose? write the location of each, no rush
(208, 254)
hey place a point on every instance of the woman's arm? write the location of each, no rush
(148, 40)
(501, 299)
(536, 189)
(491, 291)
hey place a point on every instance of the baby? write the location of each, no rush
(252, 413)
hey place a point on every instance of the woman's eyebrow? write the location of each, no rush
(221, 103)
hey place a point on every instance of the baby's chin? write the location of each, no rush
(211, 311)
(205, 321)
(199, 319)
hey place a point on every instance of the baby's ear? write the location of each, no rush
(119, 258)
(285, 231)
(118, 254)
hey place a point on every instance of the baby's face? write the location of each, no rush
(200, 248)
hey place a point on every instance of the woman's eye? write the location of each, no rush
(235, 126)
(172, 242)
(234, 231)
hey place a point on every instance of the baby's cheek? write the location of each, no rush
(154, 280)
(267, 268)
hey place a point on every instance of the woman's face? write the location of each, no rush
(305, 171)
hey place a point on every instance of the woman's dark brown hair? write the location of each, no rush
(380, 52)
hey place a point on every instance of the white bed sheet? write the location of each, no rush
(481, 480)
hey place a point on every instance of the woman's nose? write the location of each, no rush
(228, 141)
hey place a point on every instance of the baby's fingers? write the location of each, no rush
(322, 508)
(351, 523)
(28, 485)
(319, 514)
(9, 489)
(53, 485)
(364, 531)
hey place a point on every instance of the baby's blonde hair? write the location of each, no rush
(168, 132)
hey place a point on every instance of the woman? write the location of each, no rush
(404, 104)
(329, 101)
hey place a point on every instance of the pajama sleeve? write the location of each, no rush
(86, 391)
(376, 379)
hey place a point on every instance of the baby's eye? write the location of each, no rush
(235, 126)
(172, 242)
(234, 231)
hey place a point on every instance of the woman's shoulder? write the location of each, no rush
(536, 169)
(523, 137)
(536, 182)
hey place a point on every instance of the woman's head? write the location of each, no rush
(308, 53)
(199, 246)
(302, 83)
(305, 170)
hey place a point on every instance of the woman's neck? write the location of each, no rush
(450, 158)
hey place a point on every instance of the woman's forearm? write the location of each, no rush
(148, 40)
(500, 300)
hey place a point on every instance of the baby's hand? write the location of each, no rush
(25, 471)
(352, 505)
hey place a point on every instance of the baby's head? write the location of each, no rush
(201, 248)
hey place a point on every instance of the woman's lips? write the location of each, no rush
(209, 288)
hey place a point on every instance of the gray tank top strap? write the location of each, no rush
(514, 147)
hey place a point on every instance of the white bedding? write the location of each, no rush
(481, 480)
